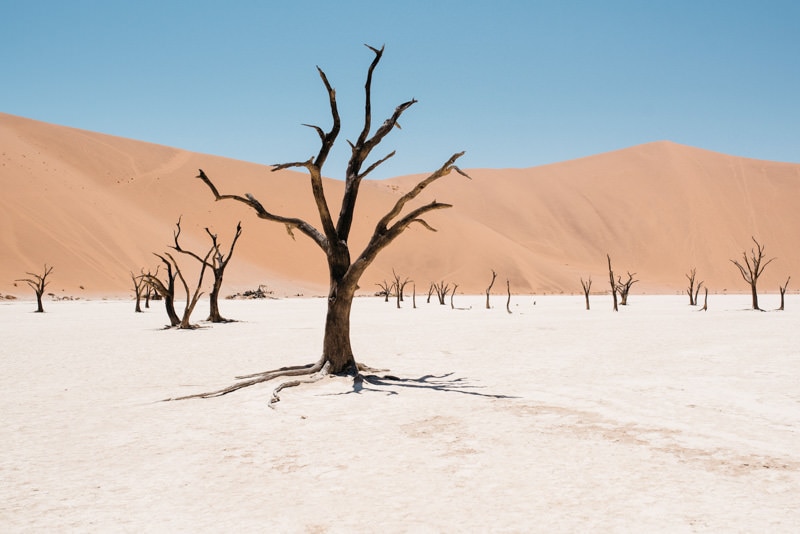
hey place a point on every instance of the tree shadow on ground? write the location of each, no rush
(445, 383)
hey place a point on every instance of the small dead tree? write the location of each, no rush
(399, 285)
(452, 294)
(334, 236)
(191, 298)
(587, 286)
(691, 289)
(613, 284)
(139, 286)
(38, 282)
(489, 289)
(431, 289)
(752, 268)
(386, 289)
(441, 289)
(217, 264)
(414, 295)
(624, 288)
(508, 290)
(783, 291)
(705, 301)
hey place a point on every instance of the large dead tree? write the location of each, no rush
(333, 238)
(216, 263)
(38, 282)
(752, 268)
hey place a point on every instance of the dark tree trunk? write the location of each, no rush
(169, 304)
(613, 284)
(214, 315)
(336, 348)
(39, 307)
(754, 292)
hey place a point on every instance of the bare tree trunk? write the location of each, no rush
(452, 294)
(488, 289)
(587, 286)
(690, 290)
(783, 291)
(705, 302)
(214, 315)
(508, 302)
(414, 296)
(613, 284)
(336, 349)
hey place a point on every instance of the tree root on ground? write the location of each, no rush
(315, 372)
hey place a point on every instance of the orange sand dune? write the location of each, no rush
(98, 206)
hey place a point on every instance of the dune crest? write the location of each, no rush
(97, 206)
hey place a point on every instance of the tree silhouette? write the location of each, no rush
(38, 282)
(752, 268)
(333, 237)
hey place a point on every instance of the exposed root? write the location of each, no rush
(367, 369)
(292, 383)
(252, 380)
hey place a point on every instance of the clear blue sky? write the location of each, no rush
(514, 83)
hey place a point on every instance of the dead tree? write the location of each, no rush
(139, 286)
(624, 288)
(386, 290)
(452, 294)
(38, 282)
(691, 289)
(783, 291)
(216, 263)
(613, 284)
(705, 301)
(334, 236)
(414, 295)
(587, 286)
(508, 290)
(193, 297)
(431, 289)
(752, 268)
(441, 289)
(399, 286)
(488, 289)
(165, 289)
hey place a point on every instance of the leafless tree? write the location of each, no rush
(752, 268)
(452, 294)
(166, 289)
(399, 285)
(783, 291)
(508, 290)
(431, 289)
(624, 288)
(139, 286)
(587, 286)
(334, 237)
(489, 289)
(692, 290)
(386, 289)
(191, 297)
(413, 295)
(613, 283)
(38, 282)
(441, 289)
(216, 263)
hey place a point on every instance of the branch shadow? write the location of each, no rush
(445, 383)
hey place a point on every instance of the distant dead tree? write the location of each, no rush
(414, 295)
(783, 291)
(489, 289)
(752, 268)
(139, 285)
(587, 286)
(333, 238)
(38, 282)
(705, 301)
(452, 294)
(508, 290)
(216, 263)
(623, 288)
(613, 283)
(693, 290)
(431, 289)
(441, 289)
(399, 285)
(386, 289)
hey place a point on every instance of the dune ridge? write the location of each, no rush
(97, 206)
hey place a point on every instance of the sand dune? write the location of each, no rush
(97, 206)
